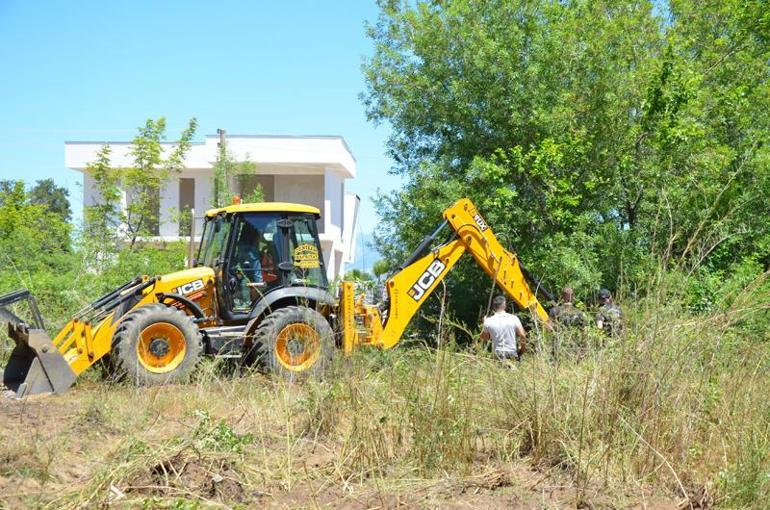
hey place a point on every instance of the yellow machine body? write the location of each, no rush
(409, 288)
(82, 344)
(280, 207)
(39, 364)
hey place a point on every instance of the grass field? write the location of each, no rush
(674, 413)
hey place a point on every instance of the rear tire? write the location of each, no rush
(156, 344)
(293, 342)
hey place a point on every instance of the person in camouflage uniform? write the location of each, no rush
(609, 317)
(570, 324)
(566, 313)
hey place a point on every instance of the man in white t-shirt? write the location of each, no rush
(504, 328)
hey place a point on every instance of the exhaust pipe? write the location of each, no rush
(35, 365)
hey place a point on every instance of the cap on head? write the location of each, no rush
(498, 303)
(605, 294)
(567, 294)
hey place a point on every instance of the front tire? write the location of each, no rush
(294, 341)
(156, 344)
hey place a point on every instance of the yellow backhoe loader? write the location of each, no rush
(256, 291)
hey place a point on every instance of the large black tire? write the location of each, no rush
(294, 342)
(156, 344)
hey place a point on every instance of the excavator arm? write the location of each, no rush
(411, 286)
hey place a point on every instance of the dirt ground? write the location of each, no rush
(128, 448)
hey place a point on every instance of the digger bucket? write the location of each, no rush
(35, 365)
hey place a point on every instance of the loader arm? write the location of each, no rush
(39, 364)
(411, 286)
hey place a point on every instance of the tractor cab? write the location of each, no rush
(260, 252)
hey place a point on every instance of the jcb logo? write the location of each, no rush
(189, 288)
(426, 279)
(480, 222)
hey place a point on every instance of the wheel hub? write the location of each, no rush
(295, 346)
(159, 347)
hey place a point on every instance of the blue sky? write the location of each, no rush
(87, 70)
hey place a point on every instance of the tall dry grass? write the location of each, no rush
(676, 402)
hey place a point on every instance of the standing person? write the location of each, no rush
(609, 318)
(503, 328)
(570, 323)
(566, 313)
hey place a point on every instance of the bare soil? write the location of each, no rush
(117, 447)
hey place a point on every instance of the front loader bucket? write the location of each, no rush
(35, 366)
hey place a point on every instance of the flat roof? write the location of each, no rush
(324, 152)
(298, 137)
(265, 207)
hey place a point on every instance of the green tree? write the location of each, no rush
(6, 188)
(380, 269)
(144, 181)
(231, 176)
(107, 222)
(102, 220)
(32, 237)
(54, 198)
(358, 275)
(597, 137)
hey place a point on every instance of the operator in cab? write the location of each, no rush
(247, 268)
(506, 332)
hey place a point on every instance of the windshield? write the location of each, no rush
(213, 241)
(254, 261)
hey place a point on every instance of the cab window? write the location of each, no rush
(305, 252)
(254, 263)
(213, 241)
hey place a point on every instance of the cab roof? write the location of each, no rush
(264, 207)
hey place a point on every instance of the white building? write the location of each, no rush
(309, 170)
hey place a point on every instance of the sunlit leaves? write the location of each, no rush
(595, 136)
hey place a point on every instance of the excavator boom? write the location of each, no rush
(500, 264)
(411, 286)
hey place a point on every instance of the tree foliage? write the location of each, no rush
(109, 221)
(54, 198)
(358, 274)
(230, 177)
(37, 252)
(44, 192)
(31, 235)
(597, 137)
(380, 268)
